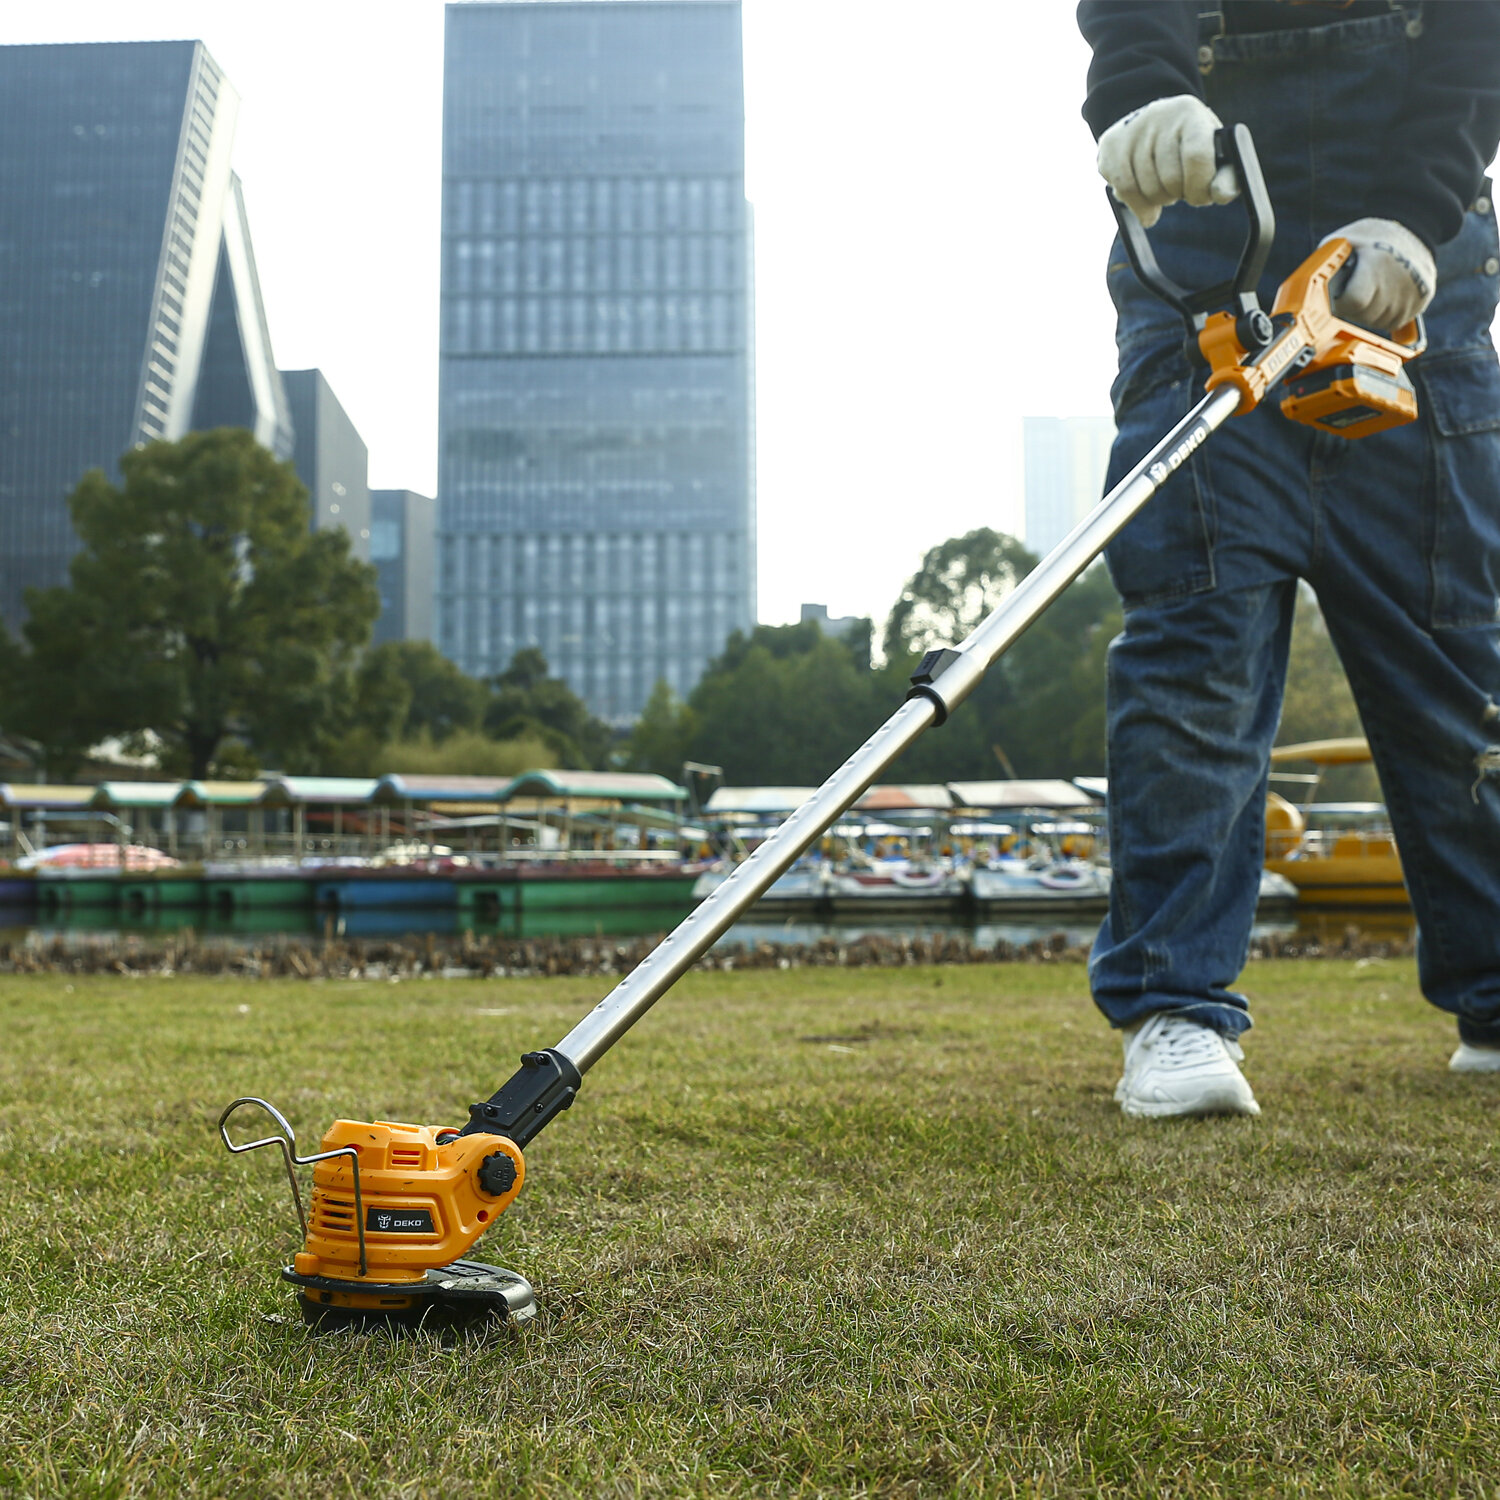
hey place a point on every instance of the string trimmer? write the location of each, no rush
(396, 1207)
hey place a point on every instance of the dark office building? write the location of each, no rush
(129, 306)
(401, 547)
(595, 490)
(331, 458)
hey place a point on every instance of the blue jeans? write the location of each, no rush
(1398, 533)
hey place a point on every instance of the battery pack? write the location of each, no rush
(1350, 400)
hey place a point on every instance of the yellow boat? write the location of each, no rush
(1350, 858)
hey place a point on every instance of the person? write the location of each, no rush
(1374, 120)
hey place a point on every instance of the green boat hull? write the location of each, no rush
(226, 896)
(604, 893)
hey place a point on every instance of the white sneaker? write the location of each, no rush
(1174, 1066)
(1471, 1059)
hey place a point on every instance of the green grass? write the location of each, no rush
(818, 1232)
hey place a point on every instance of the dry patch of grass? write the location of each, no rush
(818, 1232)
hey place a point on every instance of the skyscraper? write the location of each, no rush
(595, 489)
(129, 306)
(331, 458)
(401, 540)
(1065, 462)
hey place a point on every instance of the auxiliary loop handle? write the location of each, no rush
(287, 1142)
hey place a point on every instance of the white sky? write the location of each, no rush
(930, 243)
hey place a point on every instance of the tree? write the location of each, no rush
(1040, 709)
(466, 752)
(202, 609)
(441, 699)
(527, 702)
(662, 735)
(958, 584)
(782, 704)
(787, 704)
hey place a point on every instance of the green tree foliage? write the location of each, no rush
(440, 698)
(662, 735)
(465, 752)
(784, 704)
(1318, 704)
(414, 710)
(788, 704)
(527, 702)
(1040, 709)
(202, 610)
(959, 583)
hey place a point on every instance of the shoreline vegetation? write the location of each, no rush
(469, 956)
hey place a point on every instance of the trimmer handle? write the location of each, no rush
(1232, 147)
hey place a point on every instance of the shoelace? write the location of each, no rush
(1184, 1042)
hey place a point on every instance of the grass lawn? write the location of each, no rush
(811, 1232)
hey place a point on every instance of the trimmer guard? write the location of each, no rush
(454, 1296)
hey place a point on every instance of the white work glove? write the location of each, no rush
(1393, 277)
(1162, 153)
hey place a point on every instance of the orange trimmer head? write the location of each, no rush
(394, 1210)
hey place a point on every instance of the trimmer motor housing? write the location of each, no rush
(395, 1207)
(426, 1195)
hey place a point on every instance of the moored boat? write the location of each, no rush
(1339, 854)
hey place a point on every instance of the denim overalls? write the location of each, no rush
(1399, 533)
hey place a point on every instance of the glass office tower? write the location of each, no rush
(596, 486)
(401, 541)
(1066, 458)
(129, 306)
(331, 458)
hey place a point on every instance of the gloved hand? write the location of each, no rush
(1393, 278)
(1162, 153)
